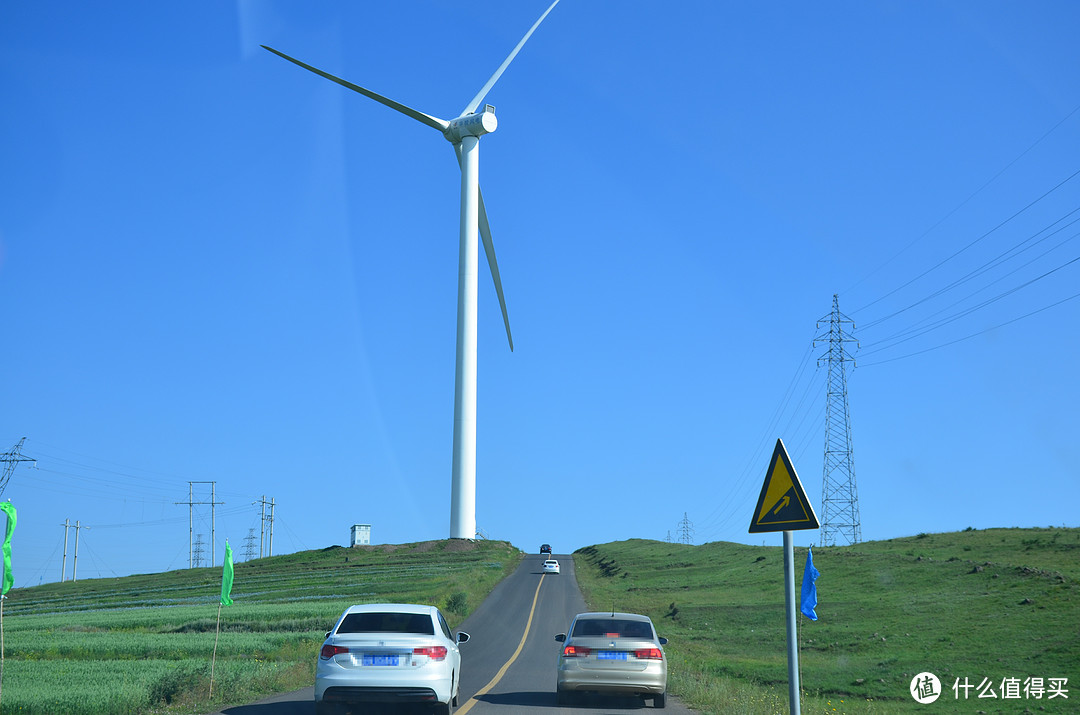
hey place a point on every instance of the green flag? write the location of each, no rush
(8, 508)
(226, 577)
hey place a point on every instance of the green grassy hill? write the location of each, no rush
(144, 643)
(994, 604)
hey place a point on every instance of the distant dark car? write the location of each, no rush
(545, 548)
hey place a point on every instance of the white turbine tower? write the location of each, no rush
(464, 133)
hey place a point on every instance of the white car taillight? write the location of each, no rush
(435, 652)
(329, 651)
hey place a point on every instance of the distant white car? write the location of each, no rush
(389, 653)
(551, 566)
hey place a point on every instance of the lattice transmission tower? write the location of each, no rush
(197, 551)
(686, 530)
(839, 498)
(249, 545)
(11, 460)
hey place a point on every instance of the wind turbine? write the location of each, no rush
(464, 133)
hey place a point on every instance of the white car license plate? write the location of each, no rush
(611, 655)
(380, 660)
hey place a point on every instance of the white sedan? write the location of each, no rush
(389, 653)
(551, 566)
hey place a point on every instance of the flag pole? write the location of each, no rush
(2, 599)
(800, 650)
(225, 600)
(808, 597)
(8, 580)
(800, 660)
(213, 659)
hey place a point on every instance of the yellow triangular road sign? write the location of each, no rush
(782, 505)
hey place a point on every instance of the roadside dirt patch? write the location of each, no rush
(421, 547)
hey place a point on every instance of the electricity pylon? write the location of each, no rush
(191, 520)
(11, 460)
(249, 545)
(839, 498)
(686, 530)
(197, 551)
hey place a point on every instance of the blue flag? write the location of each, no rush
(808, 602)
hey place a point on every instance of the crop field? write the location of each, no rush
(990, 605)
(993, 604)
(143, 644)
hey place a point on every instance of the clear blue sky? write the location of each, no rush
(217, 266)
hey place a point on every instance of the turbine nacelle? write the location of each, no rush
(476, 124)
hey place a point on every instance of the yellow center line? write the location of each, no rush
(502, 671)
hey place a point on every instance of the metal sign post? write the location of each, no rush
(792, 634)
(783, 506)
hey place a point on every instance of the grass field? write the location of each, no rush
(994, 604)
(143, 644)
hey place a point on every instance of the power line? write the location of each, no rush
(972, 243)
(1001, 258)
(296, 539)
(914, 330)
(157, 482)
(968, 311)
(98, 563)
(170, 520)
(963, 203)
(729, 510)
(975, 335)
(83, 486)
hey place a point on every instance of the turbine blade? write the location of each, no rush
(433, 122)
(502, 68)
(489, 249)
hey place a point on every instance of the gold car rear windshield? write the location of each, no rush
(612, 628)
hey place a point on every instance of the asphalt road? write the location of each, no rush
(508, 665)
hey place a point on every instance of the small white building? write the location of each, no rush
(360, 535)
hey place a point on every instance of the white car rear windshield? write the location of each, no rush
(419, 623)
